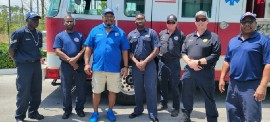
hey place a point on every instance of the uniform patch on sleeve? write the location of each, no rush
(13, 41)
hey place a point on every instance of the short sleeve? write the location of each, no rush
(58, 42)
(124, 42)
(90, 39)
(14, 40)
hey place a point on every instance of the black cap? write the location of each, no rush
(172, 18)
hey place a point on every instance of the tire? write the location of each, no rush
(126, 96)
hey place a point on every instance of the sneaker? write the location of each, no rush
(94, 117)
(110, 115)
(174, 113)
(161, 107)
(36, 116)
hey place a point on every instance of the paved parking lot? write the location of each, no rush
(51, 106)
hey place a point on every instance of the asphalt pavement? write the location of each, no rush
(51, 106)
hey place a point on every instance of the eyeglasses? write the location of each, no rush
(247, 21)
(201, 19)
(171, 22)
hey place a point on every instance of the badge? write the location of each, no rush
(190, 40)
(76, 39)
(134, 37)
(162, 38)
(205, 40)
(116, 34)
(175, 38)
(147, 36)
(99, 34)
(13, 41)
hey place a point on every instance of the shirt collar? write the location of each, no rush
(254, 35)
(206, 32)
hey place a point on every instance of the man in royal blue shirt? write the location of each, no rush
(247, 59)
(108, 44)
(69, 47)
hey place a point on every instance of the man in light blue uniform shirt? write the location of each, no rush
(109, 45)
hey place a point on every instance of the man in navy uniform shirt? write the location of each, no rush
(144, 48)
(24, 50)
(171, 40)
(201, 51)
(69, 47)
(248, 60)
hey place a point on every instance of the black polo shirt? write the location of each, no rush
(205, 46)
(171, 45)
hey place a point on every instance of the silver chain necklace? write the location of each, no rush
(36, 42)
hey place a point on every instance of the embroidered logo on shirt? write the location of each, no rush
(76, 39)
(116, 34)
(147, 36)
(205, 40)
(175, 38)
(190, 40)
(134, 37)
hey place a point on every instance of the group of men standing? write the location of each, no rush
(247, 58)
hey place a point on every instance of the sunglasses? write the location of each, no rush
(170, 22)
(201, 19)
(247, 21)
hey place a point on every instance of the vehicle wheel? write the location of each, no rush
(127, 94)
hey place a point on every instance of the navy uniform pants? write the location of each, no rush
(240, 103)
(204, 79)
(169, 72)
(68, 75)
(145, 85)
(29, 87)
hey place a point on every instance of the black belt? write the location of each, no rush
(31, 61)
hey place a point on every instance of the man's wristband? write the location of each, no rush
(199, 62)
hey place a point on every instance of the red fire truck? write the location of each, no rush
(224, 17)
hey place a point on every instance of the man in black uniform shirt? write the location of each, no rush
(171, 40)
(201, 51)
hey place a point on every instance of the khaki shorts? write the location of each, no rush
(99, 79)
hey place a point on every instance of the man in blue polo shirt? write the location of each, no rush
(248, 60)
(69, 47)
(109, 45)
(24, 50)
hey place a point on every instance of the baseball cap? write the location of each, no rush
(248, 14)
(203, 13)
(32, 15)
(107, 10)
(172, 17)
